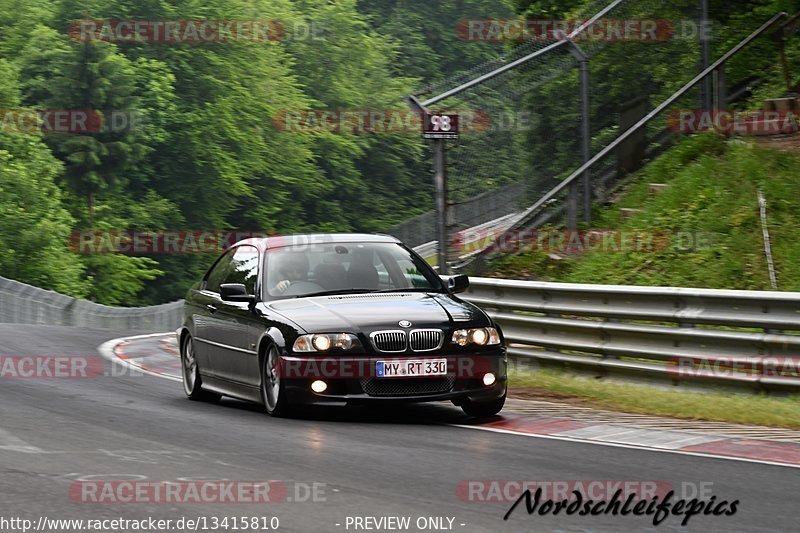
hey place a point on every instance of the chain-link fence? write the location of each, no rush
(25, 304)
(541, 115)
(672, 117)
(469, 213)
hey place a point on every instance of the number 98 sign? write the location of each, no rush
(436, 126)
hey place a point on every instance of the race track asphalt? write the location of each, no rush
(405, 461)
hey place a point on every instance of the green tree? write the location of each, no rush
(34, 225)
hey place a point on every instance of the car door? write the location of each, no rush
(206, 304)
(234, 337)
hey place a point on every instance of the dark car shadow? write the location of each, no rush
(432, 413)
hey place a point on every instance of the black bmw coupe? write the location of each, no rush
(337, 319)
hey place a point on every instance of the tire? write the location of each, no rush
(273, 390)
(190, 372)
(483, 409)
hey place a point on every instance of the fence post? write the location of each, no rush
(442, 205)
(705, 55)
(586, 141)
(787, 29)
(720, 89)
(586, 145)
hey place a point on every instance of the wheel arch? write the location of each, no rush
(271, 336)
(182, 333)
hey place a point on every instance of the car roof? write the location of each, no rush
(280, 241)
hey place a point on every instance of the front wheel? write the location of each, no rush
(192, 383)
(273, 392)
(483, 409)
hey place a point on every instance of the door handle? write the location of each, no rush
(211, 308)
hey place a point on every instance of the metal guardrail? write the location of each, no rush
(25, 304)
(680, 334)
(21, 303)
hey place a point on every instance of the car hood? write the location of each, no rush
(370, 312)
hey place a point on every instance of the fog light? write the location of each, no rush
(320, 386)
(489, 379)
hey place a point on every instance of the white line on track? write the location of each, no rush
(107, 350)
(13, 443)
(627, 446)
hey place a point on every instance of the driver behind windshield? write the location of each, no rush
(292, 268)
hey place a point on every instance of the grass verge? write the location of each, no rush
(706, 222)
(758, 409)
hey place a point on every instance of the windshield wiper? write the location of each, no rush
(363, 291)
(409, 289)
(335, 291)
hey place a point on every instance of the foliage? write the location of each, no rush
(708, 212)
(203, 151)
(35, 226)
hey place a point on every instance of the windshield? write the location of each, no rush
(340, 268)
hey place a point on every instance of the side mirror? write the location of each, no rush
(235, 292)
(458, 283)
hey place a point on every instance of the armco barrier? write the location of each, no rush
(748, 338)
(682, 334)
(25, 304)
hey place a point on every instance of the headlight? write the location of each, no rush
(479, 336)
(324, 342)
(461, 337)
(321, 342)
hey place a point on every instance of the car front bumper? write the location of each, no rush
(352, 380)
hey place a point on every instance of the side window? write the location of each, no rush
(218, 273)
(244, 268)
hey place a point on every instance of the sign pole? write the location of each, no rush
(440, 186)
(439, 127)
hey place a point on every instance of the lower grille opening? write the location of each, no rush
(407, 386)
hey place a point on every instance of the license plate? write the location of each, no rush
(408, 368)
